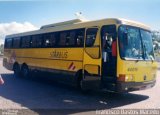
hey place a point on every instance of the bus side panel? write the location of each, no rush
(67, 59)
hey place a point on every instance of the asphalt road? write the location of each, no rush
(40, 95)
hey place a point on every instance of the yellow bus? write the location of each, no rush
(112, 54)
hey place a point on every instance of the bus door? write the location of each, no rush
(92, 59)
(109, 62)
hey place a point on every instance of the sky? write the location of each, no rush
(20, 16)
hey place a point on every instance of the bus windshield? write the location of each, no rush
(135, 43)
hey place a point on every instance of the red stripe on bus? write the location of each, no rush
(70, 65)
(73, 67)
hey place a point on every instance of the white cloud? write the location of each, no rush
(13, 28)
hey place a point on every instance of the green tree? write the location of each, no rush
(156, 36)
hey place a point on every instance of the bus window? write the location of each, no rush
(25, 42)
(8, 43)
(91, 36)
(72, 39)
(130, 43)
(67, 39)
(16, 42)
(147, 44)
(36, 41)
(63, 36)
(54, 39)
(50, 40)
(80, 37)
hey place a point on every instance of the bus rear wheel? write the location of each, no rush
(16, 69)
(25, 71)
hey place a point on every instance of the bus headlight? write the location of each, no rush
(129, 77)
(126, 78)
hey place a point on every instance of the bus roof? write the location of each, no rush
(77, 23)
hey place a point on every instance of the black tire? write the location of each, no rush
(16, 69)
(25, 72)
(80, 85)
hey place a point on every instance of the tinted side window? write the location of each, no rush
(36, 41)
(80, 37)
(16, 42)
(8, 43)
(25, 42)
(50, 39)
(72, 38)
(91, 36)
(64, 39)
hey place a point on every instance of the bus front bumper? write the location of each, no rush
(134, 86)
